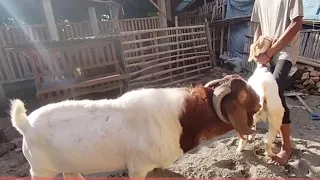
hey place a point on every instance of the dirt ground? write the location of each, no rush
(215, 158)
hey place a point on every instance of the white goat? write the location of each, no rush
(265, 85)
(139, 131)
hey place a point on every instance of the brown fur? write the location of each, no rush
(199, 120)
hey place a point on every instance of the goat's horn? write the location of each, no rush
(212, 83)
(218, 94)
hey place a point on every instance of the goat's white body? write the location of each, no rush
(139, 131)
(265, 85)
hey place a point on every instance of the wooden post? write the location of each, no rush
(221, 40)
(176, 22)
(2, 95)
(209, 43)
(205, 8)
(228, 36)
(93, 21)
(114, 11)
(168, 6)
(50, 20)
(162, 23)
(162, 18)
(213, 37)
(223, 10)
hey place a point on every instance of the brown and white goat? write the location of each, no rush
(139, 131)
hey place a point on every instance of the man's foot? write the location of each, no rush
(281, 158)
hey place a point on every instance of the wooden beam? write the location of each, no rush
(169, 13)
(114, 12)
(2, 95)
(212, 54)
(93, 21)
(158, 8)
(50, 20)
(163, 17)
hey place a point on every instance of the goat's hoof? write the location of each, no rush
(239, 150)
(251, 138)
(269, 154)
(272, 146)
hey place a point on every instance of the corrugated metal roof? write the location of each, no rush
(183, 4)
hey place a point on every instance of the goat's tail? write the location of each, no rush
(265, 93)
(18, 115)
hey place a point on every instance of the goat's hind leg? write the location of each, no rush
(42, 174)
(139, 169)
(274, 127)
(73, 176)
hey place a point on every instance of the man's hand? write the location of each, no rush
(263, 58)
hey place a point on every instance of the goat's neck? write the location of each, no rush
(199, 120)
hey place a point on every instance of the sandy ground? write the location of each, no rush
(215, 158)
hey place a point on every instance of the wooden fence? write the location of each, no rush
(167, 56)
(309, 47)
(13, 66)
(310, 44)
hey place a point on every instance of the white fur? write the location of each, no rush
(265, 85)
(139, 131)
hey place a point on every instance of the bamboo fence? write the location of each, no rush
(14, 67)
(156, 60)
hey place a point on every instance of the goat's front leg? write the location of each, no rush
(242, 143)
(254, 127)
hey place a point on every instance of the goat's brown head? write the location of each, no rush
(235, 102)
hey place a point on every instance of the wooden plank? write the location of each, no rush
(309, 45)
(221, 40)
(163, 45)
(164, 37)
(316, 45)
(171, 62)
(168, 77)
(166, 71)
(131, 59)
(209, 44)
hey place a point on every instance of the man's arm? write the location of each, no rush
(257, 33)
(286, 37)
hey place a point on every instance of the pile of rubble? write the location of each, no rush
(307, 80)
(12, 161)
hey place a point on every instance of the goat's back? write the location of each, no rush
(88, 136)
(264, 83)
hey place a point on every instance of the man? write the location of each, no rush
(280, 19)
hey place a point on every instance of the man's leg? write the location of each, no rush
(281, 71)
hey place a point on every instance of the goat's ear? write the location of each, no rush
(238, 117)
(242, 96)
